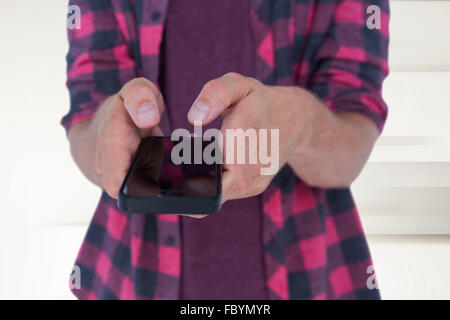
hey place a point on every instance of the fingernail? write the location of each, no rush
(146, 114)
(199, 112)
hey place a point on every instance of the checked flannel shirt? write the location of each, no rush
(314, 245)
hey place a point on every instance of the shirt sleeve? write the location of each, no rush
(351, 63)
(99, 60)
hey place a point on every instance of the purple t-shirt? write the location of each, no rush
(204, 39)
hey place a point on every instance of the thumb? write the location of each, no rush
(217, 95)
(143, 101)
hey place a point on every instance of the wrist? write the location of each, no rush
(305, 109)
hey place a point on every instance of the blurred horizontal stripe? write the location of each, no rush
(405, 174)
(405, 187)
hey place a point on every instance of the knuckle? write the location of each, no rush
(254, 83)
(233, 75)
(211, 85)
(216, 90)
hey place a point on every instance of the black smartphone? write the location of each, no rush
(168, 175)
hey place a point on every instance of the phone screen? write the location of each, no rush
(163, 167)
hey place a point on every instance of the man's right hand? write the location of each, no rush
(103, 145)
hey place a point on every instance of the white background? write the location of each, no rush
(403, 194)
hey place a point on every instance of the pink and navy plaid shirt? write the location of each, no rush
(314, 245)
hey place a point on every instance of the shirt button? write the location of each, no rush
(170, 240)
(156, 15)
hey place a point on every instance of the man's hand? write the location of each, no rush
(103, 145)
(324, 148)
(245, 103)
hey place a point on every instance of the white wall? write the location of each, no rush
(405, 186)
(46, 203)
